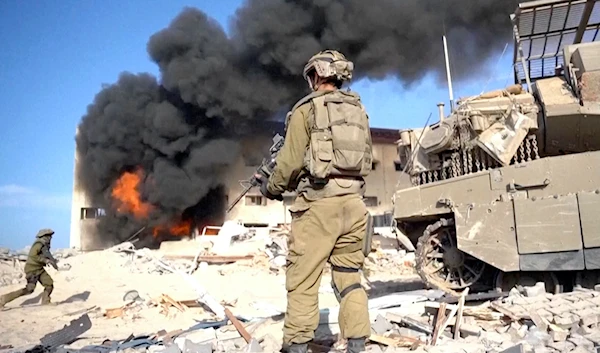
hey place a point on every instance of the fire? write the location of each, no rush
(129, 200)
(182, 228)
(125, 190)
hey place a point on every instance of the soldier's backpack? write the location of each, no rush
(340, 136)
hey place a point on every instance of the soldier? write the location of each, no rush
(325, 157)
(39, 256)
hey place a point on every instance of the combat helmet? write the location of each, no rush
(329, 63)
(44, 232)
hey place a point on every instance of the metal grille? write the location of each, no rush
(545, 27)
(463, 163)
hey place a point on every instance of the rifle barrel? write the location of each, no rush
(237, 199)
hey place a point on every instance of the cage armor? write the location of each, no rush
(340, 136)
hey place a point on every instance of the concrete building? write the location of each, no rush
(254, 209)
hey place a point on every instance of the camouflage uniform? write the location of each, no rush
(39, 256)
(328, 225)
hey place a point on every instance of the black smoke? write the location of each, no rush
(182, 130)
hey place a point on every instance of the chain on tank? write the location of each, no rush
(472, 160)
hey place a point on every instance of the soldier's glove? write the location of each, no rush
(52, 263)
(267, 194)
(263, 182)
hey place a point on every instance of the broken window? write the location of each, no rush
(255, 200)
(370, 201)
(92, 212)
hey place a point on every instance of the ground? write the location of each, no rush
(98, 281)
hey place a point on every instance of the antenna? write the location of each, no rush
(448, 74)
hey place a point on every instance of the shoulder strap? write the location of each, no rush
(302, 101)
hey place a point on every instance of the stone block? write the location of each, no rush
(597, 287)
(381, 325)
(565, 320)
(519, 301)
(580, 341)
(538, 305)
(538, 289)
(252, 347)
(545, 314)
(495, 337)
(558, 334)
(558, 310)
(582, 304)
(594, 336)
(587, 317)
(270, 343)
(202, 336)
(587, 330)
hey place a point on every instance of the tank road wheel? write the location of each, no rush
(441, 264)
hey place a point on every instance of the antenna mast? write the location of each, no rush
(448, 74)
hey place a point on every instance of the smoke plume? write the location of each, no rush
(178, 135)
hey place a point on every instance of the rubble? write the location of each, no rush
(173, 312)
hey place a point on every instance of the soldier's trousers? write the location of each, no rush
(319, 228)
(33, 278)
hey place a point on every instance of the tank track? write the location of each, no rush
(420, 256)
(440, 263)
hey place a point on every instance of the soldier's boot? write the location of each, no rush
(46, 296)
(9, 297)
(356, 345)
(298, 348)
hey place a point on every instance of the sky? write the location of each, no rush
(55, 57)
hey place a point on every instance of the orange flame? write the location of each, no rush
(126, 193)
(182, 228)
(125, 190)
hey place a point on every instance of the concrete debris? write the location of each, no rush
(403, 319)
(533, 291)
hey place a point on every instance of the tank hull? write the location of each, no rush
(543, 215)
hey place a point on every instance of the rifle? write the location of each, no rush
(265, 169)
(49, 258)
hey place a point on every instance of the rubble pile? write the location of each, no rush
(11, 266)
(535, 322)
(399, 262)
(180, 313)
(415, 321)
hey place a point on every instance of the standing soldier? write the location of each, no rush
(39, 256)
(325, 157)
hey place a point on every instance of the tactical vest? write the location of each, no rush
(340, 136)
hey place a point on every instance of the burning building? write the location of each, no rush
(161, 156)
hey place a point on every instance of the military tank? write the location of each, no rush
(506, 189)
